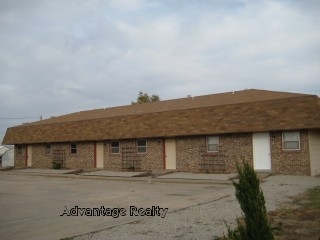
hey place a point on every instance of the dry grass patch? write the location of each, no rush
(299, 219)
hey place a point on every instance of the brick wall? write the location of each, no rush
(149, 161)
(192, 155)
(153, 159)
(20, 159)
(291, 162)
(188, 151)
(113, 161)
(236, 148)
(39, 157)
(84, 158)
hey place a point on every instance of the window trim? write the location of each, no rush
(291, 149)
(73, 148)
(146, 146)
(119, 147)
(47, 150)
(207, 143)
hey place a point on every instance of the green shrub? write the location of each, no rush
(56, 165)
(252, 203)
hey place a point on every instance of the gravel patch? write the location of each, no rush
(205, 220)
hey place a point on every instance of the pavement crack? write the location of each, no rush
(200, 204)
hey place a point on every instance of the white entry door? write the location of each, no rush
(170, 147)
(99, 157)
(29, 156)
(261, 151)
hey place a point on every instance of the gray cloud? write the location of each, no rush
(63, 56)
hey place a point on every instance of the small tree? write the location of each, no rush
(145, 98)
(252, 203)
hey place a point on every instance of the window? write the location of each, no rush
(213, 143)
(19, 150)
(291, 140)
(73, 148)
(115, 147)
(142, 145)
(48, 149)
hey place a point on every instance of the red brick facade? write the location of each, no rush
(20, 156)
(291, 162)
(191, 155)
(40, 158)
(149, 161)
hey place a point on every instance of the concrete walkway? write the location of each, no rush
(107, 173)
(194, 176)
(176, 177)
(45, 171)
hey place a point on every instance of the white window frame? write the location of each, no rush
(216, 137)
(284, 141)
(140, 146)
(112, 148)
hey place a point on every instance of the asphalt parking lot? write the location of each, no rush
(31, 206)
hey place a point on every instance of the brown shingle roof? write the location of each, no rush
(242, 111)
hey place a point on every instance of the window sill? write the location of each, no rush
(291, 150)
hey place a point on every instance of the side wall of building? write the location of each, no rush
(314, 146)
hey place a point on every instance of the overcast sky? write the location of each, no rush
(62, 56)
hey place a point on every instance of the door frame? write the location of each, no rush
(29, 156)
(170, 142)
(99, 155)
(258, 139)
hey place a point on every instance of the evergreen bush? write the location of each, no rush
(251, 199)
